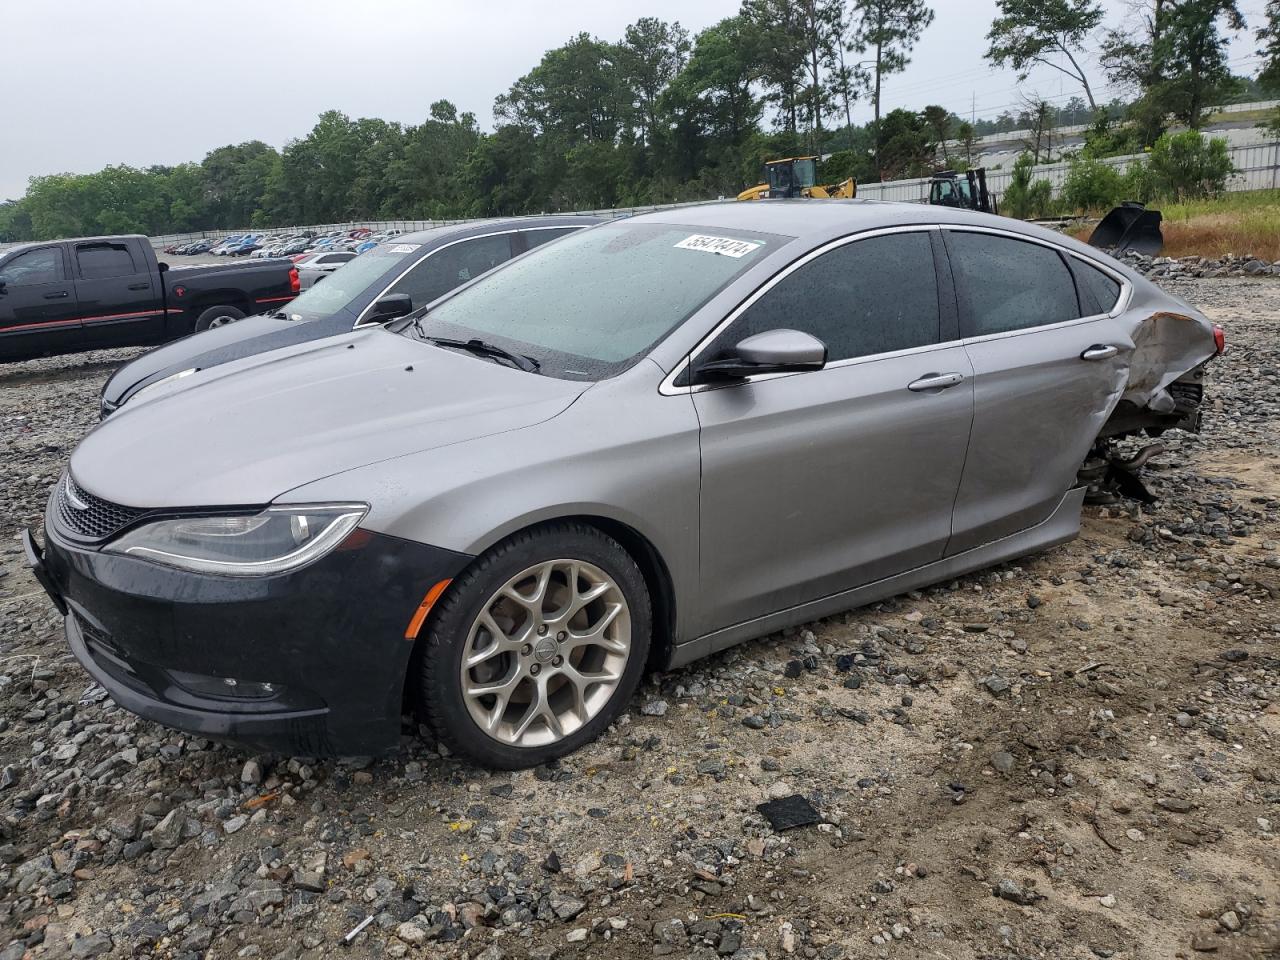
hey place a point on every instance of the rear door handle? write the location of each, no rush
(936, 381)
(1100, 351)
(139, 286)
(60, 295)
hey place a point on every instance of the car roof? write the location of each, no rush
(473, 228)
(815, 221)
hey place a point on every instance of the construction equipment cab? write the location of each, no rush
(797, 177)
(966, 190)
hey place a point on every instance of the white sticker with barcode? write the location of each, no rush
(724, 246)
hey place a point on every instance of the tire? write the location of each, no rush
(536, 674)
(217, 317)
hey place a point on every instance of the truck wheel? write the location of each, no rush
(218, 317)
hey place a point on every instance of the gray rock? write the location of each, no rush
(251, 773)
(167, 834)
(1003, 761)
(655, 708)
(91, 945)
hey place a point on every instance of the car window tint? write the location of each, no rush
(101, 261)
(536, 238)
(1006, 284)
(871, 296)
(453, 266)
(34, 266)
(1103, 289)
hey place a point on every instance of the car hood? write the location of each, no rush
(213, 347)
(246, 432)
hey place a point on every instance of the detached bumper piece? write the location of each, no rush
(311, 663)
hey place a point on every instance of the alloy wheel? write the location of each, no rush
(546, 653)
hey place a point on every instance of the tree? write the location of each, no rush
(1029, 32)
(907, 146)
(939, 120)
(1269, 35)
(965, 134)
(653, 53)
(1039, 122)
(888, 29)
(1192, 53)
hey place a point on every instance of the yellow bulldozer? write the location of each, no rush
(797, 177)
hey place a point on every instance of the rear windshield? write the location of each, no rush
(343, 288)
(589, 305)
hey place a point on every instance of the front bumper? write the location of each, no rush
(322, 650)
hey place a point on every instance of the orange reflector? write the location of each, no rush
(420, 615)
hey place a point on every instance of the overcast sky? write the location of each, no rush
(85, 84)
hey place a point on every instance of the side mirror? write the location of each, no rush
(389, 307)
(774, 351)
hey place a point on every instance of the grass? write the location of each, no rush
(1235, 223)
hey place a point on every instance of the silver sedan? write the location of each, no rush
(629, 448)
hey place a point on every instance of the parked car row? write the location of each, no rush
(264, 245)
(498, 483)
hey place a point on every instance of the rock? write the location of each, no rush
(1230, 921)
(996, 685)
(1014, 892)
(1108, 901)
(91, 945)
(251, 773)
(577, 935)
(1174, 804)
(167, 834)
(235, 823)
(1003, 761)
(566, 908)
(655, 708)
(411, 934)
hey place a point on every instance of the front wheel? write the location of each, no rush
(218, 317)
(537, 647)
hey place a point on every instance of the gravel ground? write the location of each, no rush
(1074, 756)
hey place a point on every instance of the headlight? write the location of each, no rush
(277, 540)
(169, 379)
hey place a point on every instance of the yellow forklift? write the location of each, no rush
(797, 177)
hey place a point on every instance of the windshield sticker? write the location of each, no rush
(405, 247)
(724, 246)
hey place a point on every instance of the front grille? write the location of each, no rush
(98, 520)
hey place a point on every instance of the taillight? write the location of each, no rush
(1219, 339)
(294, 283)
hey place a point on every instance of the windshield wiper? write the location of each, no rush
(485, 349)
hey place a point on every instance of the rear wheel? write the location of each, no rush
(218, 316)
(537, 647)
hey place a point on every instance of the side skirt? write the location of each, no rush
(1062, 526)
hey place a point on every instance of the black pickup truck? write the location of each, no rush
(65, 296)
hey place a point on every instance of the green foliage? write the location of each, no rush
(1186, 166)
(1028, 33)
(1092, 185)
(1269, 36)
(1024, 198)
(1191, 51)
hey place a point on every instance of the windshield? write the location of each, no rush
(378, 266)
(590, 304)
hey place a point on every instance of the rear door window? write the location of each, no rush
(536, 238)
(1098, 291)
(871, 296)
(452, 266)
(1006, 284)
(102, 261)
(34, 266)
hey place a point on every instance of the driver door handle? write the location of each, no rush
(1100, 351)
(936, 381)
(60, 295)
